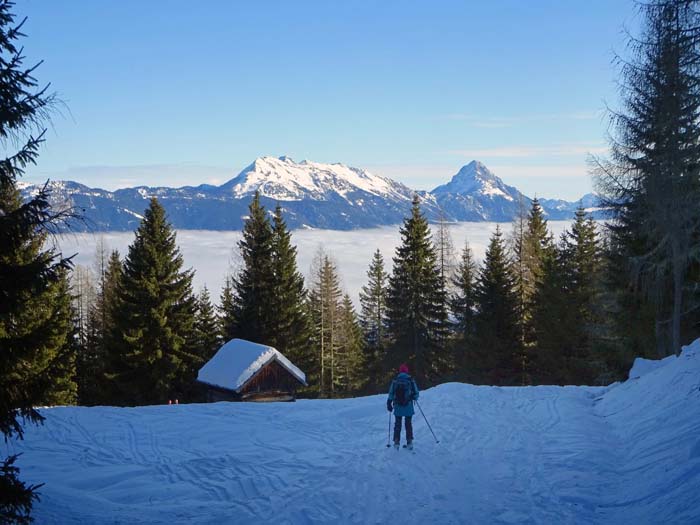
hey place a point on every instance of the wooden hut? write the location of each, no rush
(246, 371)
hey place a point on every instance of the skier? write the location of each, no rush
(402, 393)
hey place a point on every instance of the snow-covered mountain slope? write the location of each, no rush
(285, 180)
(475, 193)
(557, 208)
(624, 454)
(312, 194)
(476, 179)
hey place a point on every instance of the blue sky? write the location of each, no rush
(178, 92)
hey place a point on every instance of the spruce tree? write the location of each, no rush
(290, 327)
(538, 246)
(95, 360)
(532, 244)
(567, 320)
(226, 310)
(153, 317)
(29, 273)
(631, 317)
(350, 376)
(416, 302)
(463, 306)
(92, 358)
(16, 497)
(254, 285)
(62, 361)
(652, 180)
(206, 329)
(373, 321)
(202, 343)
(552, 321)
(497, 358)
(583, 260)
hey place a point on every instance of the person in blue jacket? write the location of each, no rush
(402, 393)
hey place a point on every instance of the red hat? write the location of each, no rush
(403, 368)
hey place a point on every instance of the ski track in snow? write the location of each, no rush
(629, 453)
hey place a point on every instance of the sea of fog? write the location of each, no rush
(214, 254)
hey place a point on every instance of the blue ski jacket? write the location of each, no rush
(406, 410)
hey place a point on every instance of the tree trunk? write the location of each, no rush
(677, 298)
(333, 343)
(323, 327)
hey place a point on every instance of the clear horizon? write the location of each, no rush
(184, 96)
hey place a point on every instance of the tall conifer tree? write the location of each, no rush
(417, 302)
(154, 316)
(62, 360)
(227, 310)
(29, 274)
(532, 244)
(567, 322)
(652, 180)
(463, 306)
(254, 285)
(288, 314)
(206, 328)
(350, 376)
(497, 338)
(583, 260)
(551, 321)
(373, 321)
(94, 360)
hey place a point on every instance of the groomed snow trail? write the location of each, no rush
(629, 453)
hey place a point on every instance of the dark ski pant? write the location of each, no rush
(397, 429)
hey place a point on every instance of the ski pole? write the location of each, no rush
(388, 437)
(426, 421)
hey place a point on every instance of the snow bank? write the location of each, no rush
(625, 454)
(238, 361)
(656, 421)
(644, 366)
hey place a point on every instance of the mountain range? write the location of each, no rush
(311, 194)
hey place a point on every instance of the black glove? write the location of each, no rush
(389, 407)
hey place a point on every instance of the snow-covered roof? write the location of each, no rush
(238, 361)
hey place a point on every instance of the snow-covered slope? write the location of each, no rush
(625, 454)
(557, 208)
(286, 180)
(476, 179)
(312, 195)
(475, 193)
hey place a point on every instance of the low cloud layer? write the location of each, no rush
(213, 254)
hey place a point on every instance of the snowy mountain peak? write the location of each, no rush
(284, 179)
(476, 178)
(476, 167)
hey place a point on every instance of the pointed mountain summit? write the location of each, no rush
(476, 178)
(476, 194)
